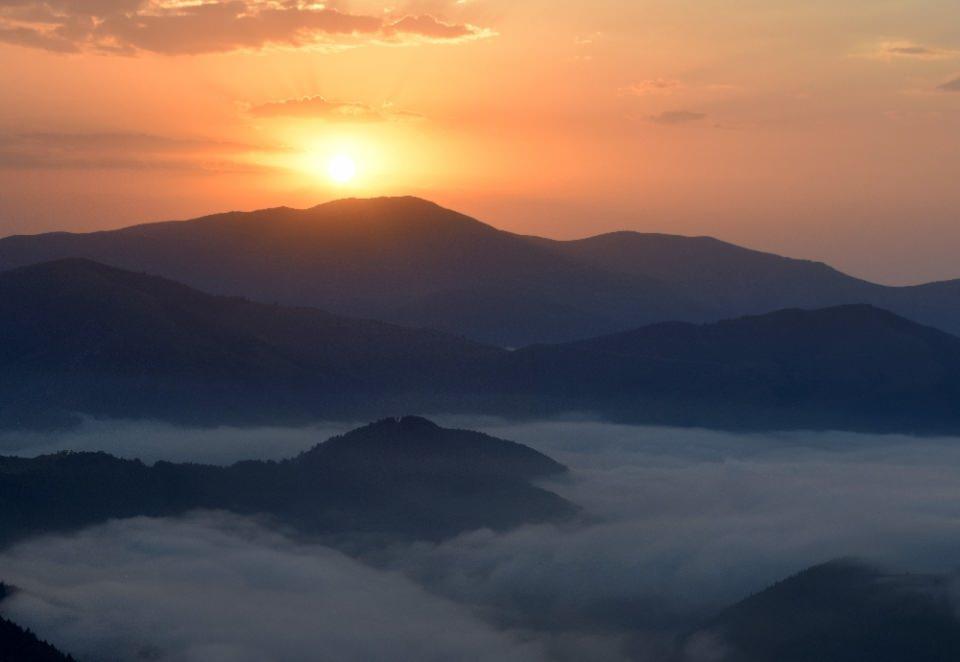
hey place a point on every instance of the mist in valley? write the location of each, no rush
(676, 523)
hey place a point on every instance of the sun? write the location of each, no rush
(341, 169)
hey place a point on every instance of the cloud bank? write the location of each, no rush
(213, 587)
(680, 522)
(692, 520)
(171, 27)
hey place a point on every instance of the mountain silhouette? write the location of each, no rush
(410, 261)
(740, 281)
(842, 611)
(852, 367)
(386, 258)
(77, 337)
(393, 479)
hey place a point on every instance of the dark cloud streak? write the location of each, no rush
(676, 117)
(951, 86)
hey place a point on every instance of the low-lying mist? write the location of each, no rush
(679, 523)
(212, 587)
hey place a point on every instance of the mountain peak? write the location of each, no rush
(415, 445)
(383, 201)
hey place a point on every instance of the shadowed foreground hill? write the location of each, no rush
(397, 478)
(20, 645)
(843, 611)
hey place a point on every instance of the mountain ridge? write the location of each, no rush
(81, 338)
(454, 481)
(844, 610)
(411, 261)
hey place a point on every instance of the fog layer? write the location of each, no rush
(679, 523)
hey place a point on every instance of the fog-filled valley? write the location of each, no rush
(676, 525)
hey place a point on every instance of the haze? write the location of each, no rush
(825, 130)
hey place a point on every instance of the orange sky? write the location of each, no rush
(814, 128)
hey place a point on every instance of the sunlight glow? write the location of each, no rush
(341, 169)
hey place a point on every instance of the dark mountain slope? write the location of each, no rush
(404, 478)
(82, 336)
(90, 314)
(848, 367)
(78, 337)
(384, 258)
(740, 281)
(843, 611)
(20, 645)
(845, 342)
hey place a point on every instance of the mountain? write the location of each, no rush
(396, 478)
(739, 281)
(76, 335)
(842, 611)
(394, 259)
(849, 367)
(20, 645)
(410, 261)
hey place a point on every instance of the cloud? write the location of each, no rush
(318, 107)
(691, 520)
(214, 587)
(675, 117)
(681, 522)
(950, 86)
(428, 27)
(115, 140)
(170, 27)
(891, 50)
(652, 87)
(127, 151)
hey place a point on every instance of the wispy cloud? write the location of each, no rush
(127, 151)
(902, 49)
(171, 27)
(653, 87)
(950, 86)
(319, 107)
(675, 117)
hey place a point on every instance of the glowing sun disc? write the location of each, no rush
(341, 169)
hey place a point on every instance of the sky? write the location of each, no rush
(821, 129)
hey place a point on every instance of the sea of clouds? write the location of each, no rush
(679, 522)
